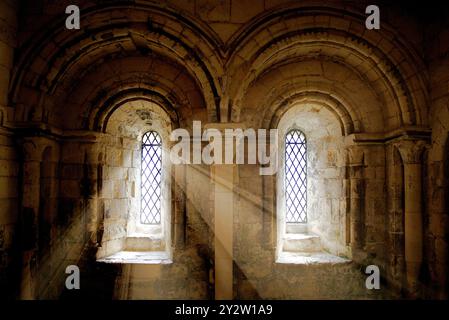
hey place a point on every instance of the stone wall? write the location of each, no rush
(259, 276)
(74, 104)
(437, 186)
(375, 204)
(9, 168)
(117, 196)
(9, 199)
(189, 276)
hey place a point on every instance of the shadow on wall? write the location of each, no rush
(446, 209)
(58, 236)
(10, 257)
(97, 279)
(11, 260)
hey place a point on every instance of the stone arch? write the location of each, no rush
(168, 84)
(276, 109)
(317, 77)
(101, 118)
(144, 29)
(382, 58)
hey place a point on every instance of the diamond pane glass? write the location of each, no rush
(296, 177)
(151, 178)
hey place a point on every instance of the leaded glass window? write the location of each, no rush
(296, 177)
(151, 178)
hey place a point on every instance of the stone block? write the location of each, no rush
(8, 211)
(116, 209)
(70, 188)
(72, 171)
(8, 168)
(114, 157)
(127, 159)
(107, 189)
(115, 173)
(120, 189)
(72, 153)
(8, 187)
(7, 153)
(249, 212)
(242, 11)
(216, 10)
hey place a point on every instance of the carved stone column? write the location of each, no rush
(356, 196)
(411, 151)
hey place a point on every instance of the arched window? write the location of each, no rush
(151, 172)
(295, 178)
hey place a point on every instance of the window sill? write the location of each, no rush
(134, 257)
(305, 249)
(310, 258)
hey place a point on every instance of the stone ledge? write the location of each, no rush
(144, 257)
(300, 236)
(301, 242)
(144, 244)
(310, 258)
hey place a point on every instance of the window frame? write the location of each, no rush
(157, 143)
(303, 170)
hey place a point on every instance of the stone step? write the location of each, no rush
(301, 243)
(144, 244)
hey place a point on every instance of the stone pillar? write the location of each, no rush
(38, 211)
(356, 195)
(223, 179)
(222, 176)
(395, 210)
(29, 212)
(411, 151)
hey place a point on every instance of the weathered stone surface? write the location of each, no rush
(374, 107)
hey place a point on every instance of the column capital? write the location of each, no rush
(356, 154)
(411, 150)
(32, 148)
